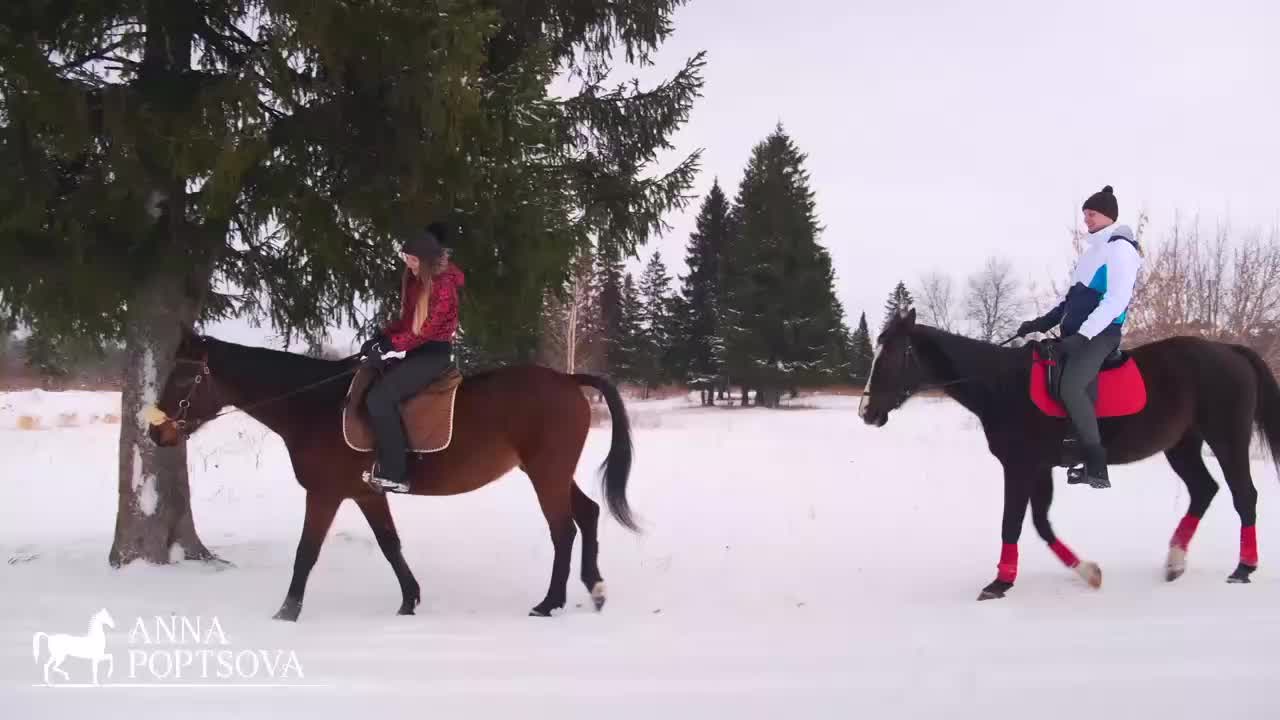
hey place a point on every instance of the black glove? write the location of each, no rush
(1073, 344)
(375, 345)
(1027, 328)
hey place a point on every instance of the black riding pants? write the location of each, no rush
(1079, 369)
(397, 384)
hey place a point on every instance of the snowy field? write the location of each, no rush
(794, 563)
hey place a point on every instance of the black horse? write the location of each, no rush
(1199, 392)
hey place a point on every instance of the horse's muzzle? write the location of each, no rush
(163, 431)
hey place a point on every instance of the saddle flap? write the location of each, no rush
(427, 415)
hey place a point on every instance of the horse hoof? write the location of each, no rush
(1091, 573)
(406, 610)
(539, 612)
(1172, 574)
(995, 590)
(1241, 575)
(598, 595)
(288, 612)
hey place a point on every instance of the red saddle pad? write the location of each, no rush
(1121, 390)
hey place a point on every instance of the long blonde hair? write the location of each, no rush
(423, 307)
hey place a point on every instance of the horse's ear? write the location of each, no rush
(907, 316)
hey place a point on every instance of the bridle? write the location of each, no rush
(912, 363)
(188, 426)
(184, 405)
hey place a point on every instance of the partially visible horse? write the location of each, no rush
(1199, 392)
(91, 646)
(528, 417)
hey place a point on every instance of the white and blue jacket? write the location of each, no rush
(1101, 286)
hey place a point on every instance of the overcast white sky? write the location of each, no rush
(940, 132)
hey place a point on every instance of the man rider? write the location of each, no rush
(1091, 316)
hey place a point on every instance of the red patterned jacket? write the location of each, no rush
(442, 317)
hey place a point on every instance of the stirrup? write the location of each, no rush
(380, 484)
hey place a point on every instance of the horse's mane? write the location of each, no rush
(278, 371)
(978, 370)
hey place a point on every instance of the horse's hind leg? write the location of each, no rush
(1187, 461)
(321, 507)
(1041, 499)
(378, 513)
(586, 513)
(1233, 457)
(555, 498)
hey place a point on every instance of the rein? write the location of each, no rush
(184, 405)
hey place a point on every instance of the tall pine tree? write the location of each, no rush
(629, 341)
(700, 342)
(173, 162)
(899, 300)
(657, 321)
(860, 351)
(781, 316)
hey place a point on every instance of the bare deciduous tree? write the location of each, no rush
(936, 300)
(570, 321)
(993, 304)
(1225, 288)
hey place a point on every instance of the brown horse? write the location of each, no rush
(528, 417)
(1199, 392)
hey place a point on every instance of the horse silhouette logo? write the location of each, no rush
(90, 646)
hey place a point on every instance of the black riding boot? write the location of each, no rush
(1094, 470)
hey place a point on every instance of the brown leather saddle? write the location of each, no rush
(427, 416)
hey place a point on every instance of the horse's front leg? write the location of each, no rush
(321, 507)
(378, 513)
(1016, 494)
(1041, 498)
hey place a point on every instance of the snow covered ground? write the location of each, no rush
(793, 562)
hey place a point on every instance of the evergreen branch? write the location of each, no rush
(100, 54)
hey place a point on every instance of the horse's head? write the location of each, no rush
(188, 398)
(104, 619)
(895, 373)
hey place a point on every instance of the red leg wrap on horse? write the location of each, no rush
(1064, 554)
(1186, 529)
(1007, 570)
(1249, 545)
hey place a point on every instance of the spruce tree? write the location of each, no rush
(700, 342)
(657, 325)
(899, 300)
(860, 351)
(169, 163)
(781, 316)
(629, 342)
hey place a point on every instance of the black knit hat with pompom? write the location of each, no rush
(1103, 202)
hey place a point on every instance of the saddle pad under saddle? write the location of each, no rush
(1121, 390)
(427, 416)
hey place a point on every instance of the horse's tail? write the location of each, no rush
(616, 467)
(35, 645)
(1267, 414)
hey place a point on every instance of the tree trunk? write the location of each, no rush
(745, 401)
(153, 518)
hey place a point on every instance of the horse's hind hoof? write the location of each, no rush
(288, 611)
(1170, 575)
(1241, 575)
(995, 590)
(598, 596)
(538, 612)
